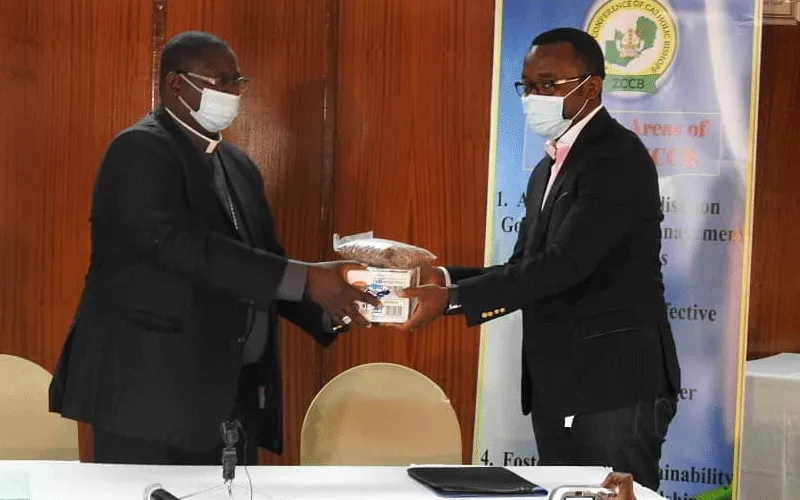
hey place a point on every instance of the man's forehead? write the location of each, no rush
(217, 61)
(551, 60)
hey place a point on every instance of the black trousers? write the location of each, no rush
(117, 449)
(626, 439)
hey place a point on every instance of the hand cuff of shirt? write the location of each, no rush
(446, 273)
(453, 302)
(293, 282)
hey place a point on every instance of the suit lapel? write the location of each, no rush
(239, 188)
(198, 180)
(541, 175)
(556, 187)
(222, 197)
(584, 141)
(539, 178)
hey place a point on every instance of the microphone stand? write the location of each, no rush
(230, 436)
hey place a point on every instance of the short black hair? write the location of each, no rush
(585, 46)
(185, 48)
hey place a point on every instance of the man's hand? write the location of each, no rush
(621, 483)
(326, 285)
(430, 275)
(431, 302)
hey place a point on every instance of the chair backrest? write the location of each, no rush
(380, 414)
(27, 430)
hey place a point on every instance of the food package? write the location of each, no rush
(377, 252)
(391, 267)
(384, 284)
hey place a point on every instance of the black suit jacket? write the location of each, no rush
(156, 346)
(586, 273)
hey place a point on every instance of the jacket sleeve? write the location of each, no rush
(311, 318)
(305, 314)
(606, 208)
(140, 198)
(459, 274)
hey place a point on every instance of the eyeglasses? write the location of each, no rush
(237, 81)
(545, 87)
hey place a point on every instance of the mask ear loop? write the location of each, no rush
(571, 91)
(180, 98)
(201, 90)
(580, 110)
(572, 120)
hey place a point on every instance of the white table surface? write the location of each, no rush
(785, 365)
(87, 481)
(770, 440)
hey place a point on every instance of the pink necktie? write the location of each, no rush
(560, 155)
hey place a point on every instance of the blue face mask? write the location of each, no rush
(545, 113)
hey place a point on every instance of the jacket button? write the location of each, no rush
(241, 340)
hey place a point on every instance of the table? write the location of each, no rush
(770, 463)
(87, 481)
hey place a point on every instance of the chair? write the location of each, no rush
(27, 430)
(380, 414)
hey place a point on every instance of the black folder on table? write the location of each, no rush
(475, 481)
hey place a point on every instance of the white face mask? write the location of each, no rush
(545, 113)
(217, 109)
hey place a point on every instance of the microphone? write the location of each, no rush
(230, 436)
(156, 492)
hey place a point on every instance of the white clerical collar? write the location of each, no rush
(212, 143)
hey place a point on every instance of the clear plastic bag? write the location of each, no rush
(377, 252)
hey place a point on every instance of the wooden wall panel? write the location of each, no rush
(281, 47)
(413, 93)
(775, 279)
(73, 74)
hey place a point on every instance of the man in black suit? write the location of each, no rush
(176, 330)
(600, 371)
